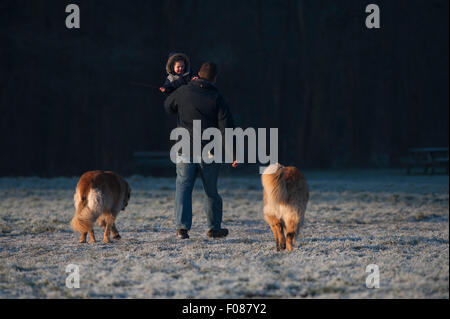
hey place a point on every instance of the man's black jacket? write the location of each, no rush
(199, 100)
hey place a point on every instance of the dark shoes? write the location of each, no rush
(212, 233)
(218, 233)
(182, 234)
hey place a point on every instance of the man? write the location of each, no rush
(199, 100)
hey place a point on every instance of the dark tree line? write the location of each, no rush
(341, 95)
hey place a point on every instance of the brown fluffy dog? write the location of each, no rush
(99, 196)
(286, 196)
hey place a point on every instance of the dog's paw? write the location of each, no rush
(117, 237)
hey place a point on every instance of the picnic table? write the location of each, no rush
(430, 157)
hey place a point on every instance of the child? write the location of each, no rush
(179, 73)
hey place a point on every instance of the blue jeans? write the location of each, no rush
(186, 175)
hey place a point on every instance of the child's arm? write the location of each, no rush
(167, 87)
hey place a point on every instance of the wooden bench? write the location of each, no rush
(152, 163)
(432, 157)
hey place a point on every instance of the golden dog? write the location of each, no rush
(286, 196)
(99, 196)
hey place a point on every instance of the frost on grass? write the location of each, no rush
(354, 218)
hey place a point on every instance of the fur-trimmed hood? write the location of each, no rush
(171, 62)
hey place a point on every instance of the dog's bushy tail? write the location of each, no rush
(101, 221)
(105, 219)
(88, 209)
(80, 225)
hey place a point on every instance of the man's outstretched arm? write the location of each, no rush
(225, 119)
(170, 104)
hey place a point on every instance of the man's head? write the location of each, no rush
(208, 71)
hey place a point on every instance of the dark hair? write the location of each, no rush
(179, 58)
(208, 71)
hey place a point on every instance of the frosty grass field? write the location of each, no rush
(354, 218)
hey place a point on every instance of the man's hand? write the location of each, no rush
(235, 164)
(162, 89)
(194, 78)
